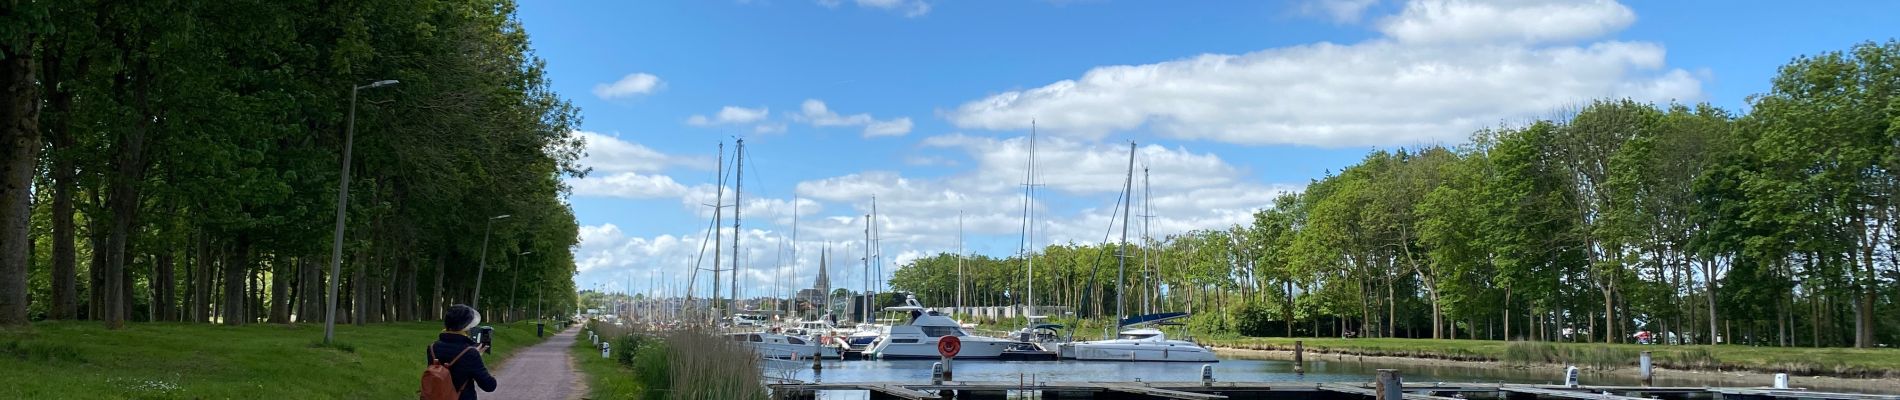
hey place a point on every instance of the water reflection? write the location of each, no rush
(1244, 368)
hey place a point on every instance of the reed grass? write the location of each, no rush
(675, 364)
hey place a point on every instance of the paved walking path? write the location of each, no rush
(542, 372)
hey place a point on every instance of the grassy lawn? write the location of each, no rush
(606, 378)
(82, 360)
(1823, 361)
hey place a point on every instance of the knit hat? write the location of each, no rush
(461, 317)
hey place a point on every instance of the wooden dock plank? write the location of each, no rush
(1150, 391)
(1368, 392)
(900, 391)
(1802, 394)
(1564, 393)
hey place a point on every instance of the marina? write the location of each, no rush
(1289, 390)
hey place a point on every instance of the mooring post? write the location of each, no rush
(605, 348)
(1299, 357)
(936, 373)
(1781, 381)
(1644, 370)
(1390, 385)
(1570, 376)
(1207, 374)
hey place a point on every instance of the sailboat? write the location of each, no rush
(1136, 341)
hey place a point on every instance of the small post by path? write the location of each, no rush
(1644, 371)
(1390, 385)
(1299, 357)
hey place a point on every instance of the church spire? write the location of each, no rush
(824, 282)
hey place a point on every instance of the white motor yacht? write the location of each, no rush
(783, 347)
(918, 338)
(1143, 344)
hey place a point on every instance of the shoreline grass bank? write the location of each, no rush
(164, 360)
(671, 364)
(1832, 362)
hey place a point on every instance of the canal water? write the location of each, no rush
(1319, 369)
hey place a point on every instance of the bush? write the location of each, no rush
(625, 347)
(650, 368)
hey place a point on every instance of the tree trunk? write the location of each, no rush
(314, 286)
(1507, 314)
(163, 286)
(201, 290)
(236, 263)
(19, 154)
(65, 281)
(435, 300)
(280, 290)
(360, 290)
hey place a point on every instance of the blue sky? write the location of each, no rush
(926, 105)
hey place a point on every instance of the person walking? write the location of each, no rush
(458, 356)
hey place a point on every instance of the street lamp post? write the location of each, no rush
(342, 202)
(477, 301)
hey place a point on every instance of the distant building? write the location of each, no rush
(819, 290)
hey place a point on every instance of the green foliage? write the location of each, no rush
(51, 360)
(220, 144)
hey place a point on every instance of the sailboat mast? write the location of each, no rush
(738, 179)
(1029, 210)
(1128, 187)
(959, 260)
(877, 247)
(719, 204)
(1147, 216)
(867, 270)
(791, 299)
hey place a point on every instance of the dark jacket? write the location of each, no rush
(470, 367)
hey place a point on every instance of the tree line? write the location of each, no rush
(179, 160)
(1777, 226)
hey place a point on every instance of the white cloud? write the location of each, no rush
(910, 8)
(1483, 21)
(1084, 168)
(739, 116)
(1341, 11)
(631, 185)
(917, 217)
(816, 113)
(610, 154)
(731, 115)
(633, 84)
(1407, 89)
(895, 127)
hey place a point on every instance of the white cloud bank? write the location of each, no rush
(735, 115)
(1443, 69)
(634, 84)
(816, 113)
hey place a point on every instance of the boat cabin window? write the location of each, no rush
(738, 337)
(755, 338)
(794, 340)
(1136, 335)
(940, 331)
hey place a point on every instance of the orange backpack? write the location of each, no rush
(437, 383)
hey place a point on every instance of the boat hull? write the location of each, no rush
(782, 351)
(972, 349)
(1157, 352)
